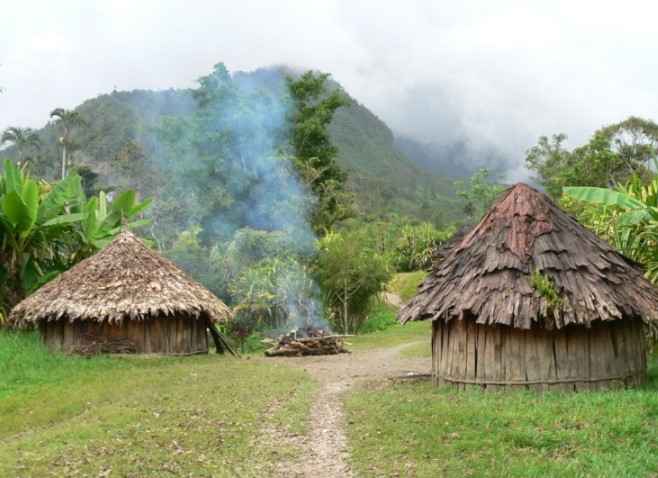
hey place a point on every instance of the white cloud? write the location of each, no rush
(504, 72)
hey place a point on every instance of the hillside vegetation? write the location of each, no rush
(117, 142)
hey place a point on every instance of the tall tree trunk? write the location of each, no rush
(345, 318)
(63, 161)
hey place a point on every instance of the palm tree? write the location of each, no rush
(68, 120)
(23, 139)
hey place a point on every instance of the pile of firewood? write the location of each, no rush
(316, 343)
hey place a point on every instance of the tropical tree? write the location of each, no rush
(613, 155)
(350, 275)
(626, 216)
(68, 121)
(477, 194)
(314, 153)
(45, 229)
(25, 140)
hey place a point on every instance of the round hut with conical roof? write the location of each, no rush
(531, 299)
(126, 298)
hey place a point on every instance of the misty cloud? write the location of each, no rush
(497, 73)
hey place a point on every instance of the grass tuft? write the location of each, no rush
(416, 429)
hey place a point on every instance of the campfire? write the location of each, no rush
(306, 341)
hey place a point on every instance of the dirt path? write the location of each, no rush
(324, 451)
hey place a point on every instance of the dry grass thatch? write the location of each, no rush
(528, 262)
(126, 280)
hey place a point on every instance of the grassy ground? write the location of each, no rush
(392, 336)
(405, 284)
(415, 429)
(194, 416)
(382, 329)
(420, 349)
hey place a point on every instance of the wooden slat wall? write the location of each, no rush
(609, 355)
(169, 336)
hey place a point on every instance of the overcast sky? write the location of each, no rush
(492, 71)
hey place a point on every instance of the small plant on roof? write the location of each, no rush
(546, 288)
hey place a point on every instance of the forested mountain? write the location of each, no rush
(273, 188)
(113, 148)
(454, 158)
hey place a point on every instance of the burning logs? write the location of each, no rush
(329, 345)
(314, 343)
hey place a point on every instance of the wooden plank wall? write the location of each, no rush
(169, 336)
(606, 356)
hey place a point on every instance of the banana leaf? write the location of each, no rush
(604, 196)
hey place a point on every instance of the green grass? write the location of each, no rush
(193, 416)
(25, 361)
(380, 317)
(395, 335)
(415, 429)
(420, 349)
(405, 284)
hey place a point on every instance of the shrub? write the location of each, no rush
(381, 317)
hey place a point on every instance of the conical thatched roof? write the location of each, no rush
(444, 249)
(124, 280)
(498, 273)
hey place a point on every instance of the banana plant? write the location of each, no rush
(627, 216)
(33, 220)
(46, 229)
(102, 220)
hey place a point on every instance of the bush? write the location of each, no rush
(350, 274)
(381, 317)
(416, 245)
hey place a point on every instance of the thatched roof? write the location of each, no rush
(126, 280)
(498, 273)
(444, 249)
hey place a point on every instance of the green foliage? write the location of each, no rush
(46, 229)
(613, 155)
(67, 121)
(627, 217)
(26, 142)
(253, 344)
(545, 287)
(416, 245)
(406, 284)
(223, 173)
(350, 275)
(477, 194)
(314, 152)
(407, 244)
(380, 317)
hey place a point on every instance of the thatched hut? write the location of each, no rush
(126, 298)
(531, 299)
(441, 252)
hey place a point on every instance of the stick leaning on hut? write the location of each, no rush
(127, 299)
